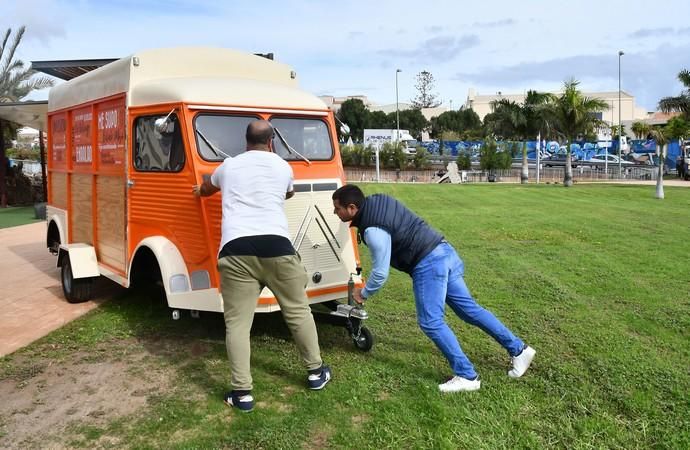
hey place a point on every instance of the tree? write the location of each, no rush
(425, 97)
(16, 82)
(511, 120)
(414, 121)
(355, 115)
(421, 158)
(506, 120)
(616, 131)
(571, 115)
(639, 129)
(661, 138)
(678, 129)
(682, 102)
(380, 120)
(463, 121)
(491, 158)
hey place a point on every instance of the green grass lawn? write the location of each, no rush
(17, 215)
(596, 278)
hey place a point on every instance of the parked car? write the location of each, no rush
(558, 159)
(612, 159)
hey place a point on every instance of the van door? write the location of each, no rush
(111, 213)
(160, 196)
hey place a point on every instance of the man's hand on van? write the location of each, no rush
(204, 189)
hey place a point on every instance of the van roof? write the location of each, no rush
(190, 74)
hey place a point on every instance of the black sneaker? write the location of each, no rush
(243, 401)
(317, 381)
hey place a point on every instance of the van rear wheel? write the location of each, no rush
(76, 290)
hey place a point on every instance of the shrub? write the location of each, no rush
(421, 158)
(490, 158)
(464, 162)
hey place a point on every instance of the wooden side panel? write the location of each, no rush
(82, 210)
(58, 189)
(110, 194)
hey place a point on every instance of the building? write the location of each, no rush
(334, 103)
(630, 112)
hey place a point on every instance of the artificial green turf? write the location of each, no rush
(17, 215)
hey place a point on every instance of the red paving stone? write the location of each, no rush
(31, 297)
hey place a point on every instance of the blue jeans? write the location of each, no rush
(437, 280)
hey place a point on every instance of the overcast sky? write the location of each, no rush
(354, 47)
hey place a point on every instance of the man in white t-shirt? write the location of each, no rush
(256, 251)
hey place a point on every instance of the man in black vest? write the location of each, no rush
(398, 237)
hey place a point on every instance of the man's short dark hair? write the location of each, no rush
(349, 195)
(259, 132)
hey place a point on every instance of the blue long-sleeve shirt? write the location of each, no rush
(379, 243)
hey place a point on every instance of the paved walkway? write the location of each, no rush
(31, 300)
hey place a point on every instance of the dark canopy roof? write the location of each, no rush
(71, 68)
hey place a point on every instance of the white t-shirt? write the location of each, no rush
(253, 187)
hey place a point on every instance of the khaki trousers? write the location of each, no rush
(242, 278)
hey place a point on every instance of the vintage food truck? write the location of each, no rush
(126, 143)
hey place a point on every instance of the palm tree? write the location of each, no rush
(682, 102)
(640, 129)
(678, 129)
(509, 122)
(571, 115)
(535, 123)
(519, 121)
(16, 82)
(507, 119)
(660, 137)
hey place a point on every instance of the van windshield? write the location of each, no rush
(309, 138)
(223, 135)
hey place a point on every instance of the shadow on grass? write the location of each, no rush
(196, 347)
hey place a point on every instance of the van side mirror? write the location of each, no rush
(163, 125)
(344, 129)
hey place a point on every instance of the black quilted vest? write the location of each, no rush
(411, 238)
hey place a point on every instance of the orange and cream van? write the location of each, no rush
(126, 143)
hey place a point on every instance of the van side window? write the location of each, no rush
(158, 148)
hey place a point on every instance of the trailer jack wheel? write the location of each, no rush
(176, 314)
(364, 341)
(361, 336)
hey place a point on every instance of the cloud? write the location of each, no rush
(663, 31)
(648, 76)
(436, 49)
(44, 20)
(494, 24)
(651, 32)
(433, 29)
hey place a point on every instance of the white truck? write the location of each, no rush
(377, 137)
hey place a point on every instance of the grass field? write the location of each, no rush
(596, 278)
(17, 215)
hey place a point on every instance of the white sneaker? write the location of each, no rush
(521, 362)
(458, 384)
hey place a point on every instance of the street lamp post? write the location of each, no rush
(620, 125)
(397, 113)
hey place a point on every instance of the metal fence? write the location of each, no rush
(546, 175)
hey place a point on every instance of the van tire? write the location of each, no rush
(76, 290)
